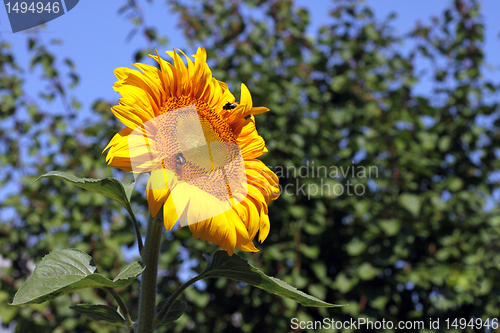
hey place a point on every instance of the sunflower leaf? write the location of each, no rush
(237, 268)
(110, 187)
(64, 271)
(175, 312)
(100, 313)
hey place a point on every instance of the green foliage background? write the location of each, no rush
(421, 242)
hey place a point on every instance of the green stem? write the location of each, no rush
(150, 254)
(123, 308)
(137, 231)
(174, 296)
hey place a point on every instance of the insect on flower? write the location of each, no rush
(180, 159)
(229, 106)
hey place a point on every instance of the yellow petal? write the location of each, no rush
(265, 226)
(170, 216)
(245, 98)
(157, 191)
(258, 110)
(118, 137)
(130, 116)
(165, 76)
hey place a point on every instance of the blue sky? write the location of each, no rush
(94, 36)
(95, 39)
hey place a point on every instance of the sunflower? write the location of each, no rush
(201, 147)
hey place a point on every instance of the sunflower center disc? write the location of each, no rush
(212, 165)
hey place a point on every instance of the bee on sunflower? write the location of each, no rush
(201, 147)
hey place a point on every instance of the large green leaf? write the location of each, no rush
(101, 313)
(175, 311)
(236, 268)
(110, 187)
(64, 271)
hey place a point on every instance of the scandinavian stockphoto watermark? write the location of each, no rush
(314, 180)
(31, 13)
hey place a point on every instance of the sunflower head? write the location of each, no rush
(200, 146)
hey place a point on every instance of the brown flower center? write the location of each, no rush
(197, 144)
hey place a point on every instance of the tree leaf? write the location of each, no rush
(110, 187)
(175, 312)
(64, 271)
(100, 313)
(236, 268)
(411, 203)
